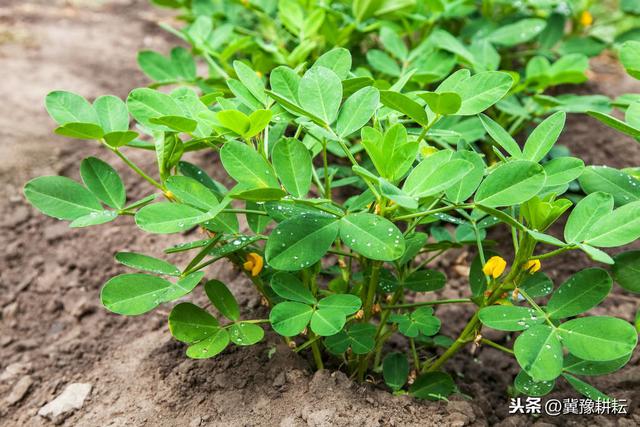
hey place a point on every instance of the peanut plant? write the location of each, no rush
(365, 140)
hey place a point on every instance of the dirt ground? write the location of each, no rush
(54, 331)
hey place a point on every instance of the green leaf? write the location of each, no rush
(517, 33)
(425, 321)
(482, 90)
(156, 66)
(326, 321)
(119, 138)
(80, 131)
(511, 183)
(285, 82)
(382, 62)
(103, 181)
(615, 123)
(234, 120)
(290, 318)
(395, 370)
(209, 347)
(501, 136)
(432, 386)
(222, 299)
(177, 123)
(581, 292)
(362, 337)
(167, 217)
(405, 105)
(392, 154)
(337, 60)
(598, 338)
(587, 212)
(623, 187)
(527, 386)
(144, 104)
(292, 164)
(320, 93)
(596, 254)
(539, 353)
(537, 285)
(586, 389)
(372, 236)
(183, 286)
(630, 57)
(443, 103)
(544, 136)
(345, 303)
(626, 270)
(112, 113)
(463, 189)
(192, 192)
(259, 120)
(61, 197)
(94, 218)
(244, 333)
(134, 294)
(251, 81)
(578, 366)
(562, 170)
(393, 43)
(357, 111)
(510, 318)
(425, 280)
(435, 174)
(147, 263)
(68, 107)
(395, 194)
(247, 166)
(289, 287)
(617, 228)
(189, 323)
(301, 241)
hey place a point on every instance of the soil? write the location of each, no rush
(54, 331)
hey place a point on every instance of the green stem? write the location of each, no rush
(414, 353)
(315, 350)
(137, 169)
(496, 345)
(432, 211)
(371, 290)
(554, 253)
(527, 245)
(245, 211)
(420, 304)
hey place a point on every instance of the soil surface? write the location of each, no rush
(55, 333)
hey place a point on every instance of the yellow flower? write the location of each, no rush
(254, 263)
(169, 195)
(532, 265)
(494, 267)
(586, 19)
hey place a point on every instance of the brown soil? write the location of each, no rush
(55, 332)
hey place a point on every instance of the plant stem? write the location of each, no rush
(371, 290)
(553, 253)
(432, 211)
(315, 350)
(137, 169)
(414, 353)
(420, 304)
(527, 245)
(496, 345)
(245, 211)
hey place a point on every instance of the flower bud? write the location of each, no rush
(253, 263)
(533, 265)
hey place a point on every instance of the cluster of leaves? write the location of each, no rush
(366, 139)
